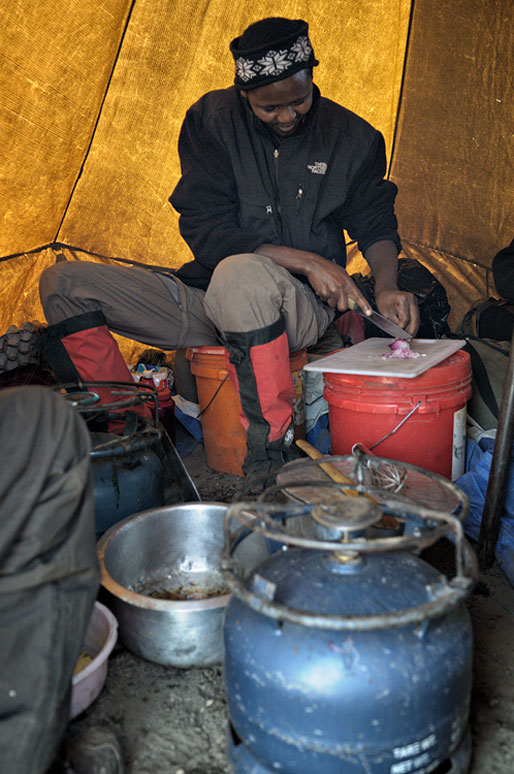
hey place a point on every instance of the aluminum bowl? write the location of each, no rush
(161, 569)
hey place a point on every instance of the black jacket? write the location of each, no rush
(242, 186)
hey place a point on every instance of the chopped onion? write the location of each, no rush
(399, 344)
(400, 348)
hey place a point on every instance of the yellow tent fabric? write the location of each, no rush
(93, 93)
(454, 149)
(56, 60)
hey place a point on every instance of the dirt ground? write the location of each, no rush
(173, 721)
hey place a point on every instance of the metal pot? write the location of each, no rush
(161, 569)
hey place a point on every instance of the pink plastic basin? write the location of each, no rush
(101, 636)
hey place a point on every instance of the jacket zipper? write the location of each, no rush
(299, 192)
(299, 195)
(276, 154)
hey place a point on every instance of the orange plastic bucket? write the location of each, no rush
(367, 409)
(223, 435)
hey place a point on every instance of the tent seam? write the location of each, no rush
(472, 261)
(402, 86)
(63, 245)
(27, 252)
(100, 110)
(60, 245)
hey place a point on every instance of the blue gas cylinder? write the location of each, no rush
(345, 658)
(127, 476)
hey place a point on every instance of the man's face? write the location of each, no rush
(283, 104)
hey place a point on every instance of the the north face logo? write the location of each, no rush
(318, 168)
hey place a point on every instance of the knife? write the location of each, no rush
(391, 328)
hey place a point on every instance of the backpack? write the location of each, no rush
(491, 318)
(489, 356)
(503, 272)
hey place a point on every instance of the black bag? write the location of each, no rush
(493, 318)
(490, 318)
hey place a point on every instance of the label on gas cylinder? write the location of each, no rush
(413, 758)
(459, 443)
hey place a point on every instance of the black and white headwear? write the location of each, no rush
(270, 50)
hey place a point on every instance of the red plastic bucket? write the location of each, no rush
(367, 409)
(223, 434)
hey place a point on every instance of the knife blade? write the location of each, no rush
(389, 327)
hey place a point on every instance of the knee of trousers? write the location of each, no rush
(243, 293)
(58, 286)
(236, 271)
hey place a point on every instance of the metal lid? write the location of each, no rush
(350, 514)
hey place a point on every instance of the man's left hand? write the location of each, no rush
(399, 307)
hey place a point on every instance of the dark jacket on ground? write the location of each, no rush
(242, 186)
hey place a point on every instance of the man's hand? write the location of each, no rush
(332, 283)
(397, 305)
(400, 307)
(334, 286)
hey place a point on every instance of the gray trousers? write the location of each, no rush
(48, 570)
(247, 292)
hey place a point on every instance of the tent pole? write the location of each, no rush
(495, 494)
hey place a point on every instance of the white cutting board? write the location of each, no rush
(366, 358)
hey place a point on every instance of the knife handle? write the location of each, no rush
(354, 307)
(331, 470)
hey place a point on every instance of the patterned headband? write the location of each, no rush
(274, 60)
